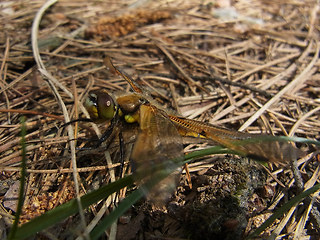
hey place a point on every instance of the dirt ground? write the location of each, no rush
(251, 66)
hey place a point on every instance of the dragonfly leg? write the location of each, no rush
(122, 153)
(109, 130)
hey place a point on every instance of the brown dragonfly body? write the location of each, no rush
(160, 133)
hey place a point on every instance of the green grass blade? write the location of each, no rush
(106, 222)
(63, 211)
(286, 207)
(22, 179)
(205, 152)
(300, 140)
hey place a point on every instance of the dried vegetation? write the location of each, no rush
(252, 66)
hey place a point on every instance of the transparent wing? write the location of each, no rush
(158, 148)
(257, 146)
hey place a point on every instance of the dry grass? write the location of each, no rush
(256, 70)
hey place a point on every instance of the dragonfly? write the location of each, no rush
(160, 133)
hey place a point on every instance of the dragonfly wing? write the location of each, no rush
(257, 146)
(158, 148)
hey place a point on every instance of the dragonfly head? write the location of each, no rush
(100, 105)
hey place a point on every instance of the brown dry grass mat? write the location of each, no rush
(251, 66)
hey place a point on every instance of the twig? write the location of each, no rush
(50, 79)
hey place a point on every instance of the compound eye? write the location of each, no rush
(106, 106)
(100, 105)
